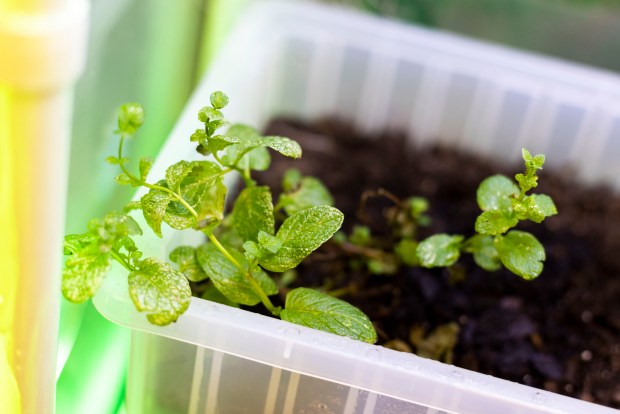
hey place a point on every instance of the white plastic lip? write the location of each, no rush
(44, 51)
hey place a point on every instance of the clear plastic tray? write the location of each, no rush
(307, 61)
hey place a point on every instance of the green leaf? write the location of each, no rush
(484, 252)
(219, 142)
(417, 206)
(384, 266)
(360, 235)
(154, 205)
(310, 193)
(218, 99)
(532, 163)
(406, 249)
(544, 204)
(257, 159)
(212, 294)
(494, 222)
(269, 242)
(130, 118)
(84, 271)
(145, 166)
(132, 205)
(117, 161)
(439, 250)
(229, 279)
(538, 161)
(496, 193)
(124, 179)
(209, 205)
(301, 234)
(185, 257)
(536, 207)
(159, 290)
(177, 172)
(121, 224)
(253, 212)
(283, 145)
(252, 250)
(291, 180)
(76, 242)
(250, 139)
(207, 114)
(213, 126)
(202, 187)
(128, 244)
(527, 182)
(521, 253)
(202, 172)
(317, 310)
(198, 136)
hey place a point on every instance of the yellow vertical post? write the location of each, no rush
(8, 265)
(42, 49)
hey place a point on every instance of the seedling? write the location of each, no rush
(504, 203)
(241, 244)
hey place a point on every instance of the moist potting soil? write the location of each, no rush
(560, 332)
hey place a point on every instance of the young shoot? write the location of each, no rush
(504, 203)
(241, 245)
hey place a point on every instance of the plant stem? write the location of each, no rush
(152, 186)
(248, 276)
(368, 252)
(122, 261)
(337, 293)
(218, 159)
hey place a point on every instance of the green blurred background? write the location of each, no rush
(155, 51)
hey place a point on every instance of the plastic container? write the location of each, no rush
(307, 61)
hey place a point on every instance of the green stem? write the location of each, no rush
(337, 293)
(246, 178)
(122, 261)
(152, 186)
(248, 276)
(218, 159)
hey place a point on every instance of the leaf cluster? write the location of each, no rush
(242, 246)
(503, 202)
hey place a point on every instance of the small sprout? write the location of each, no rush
(130, 118)
(417, 207)
(218, 99)
(504, 204)
(406, 250)
(385, 265)
(361, 236)
(440, 250)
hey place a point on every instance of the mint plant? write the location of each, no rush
(504, 203)
(241, 245)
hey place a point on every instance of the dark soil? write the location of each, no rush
(560, 332)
